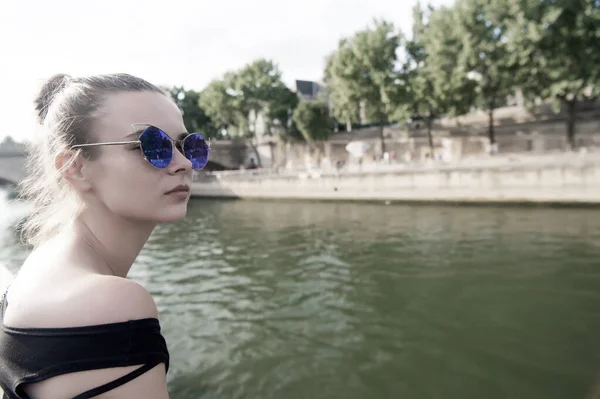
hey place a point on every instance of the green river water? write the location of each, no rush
(271, 299)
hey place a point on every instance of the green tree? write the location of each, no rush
(363, 72)
(235, 101)
(313, 120)
(222, 107)
(344, 99)
(485, 54)
(557, 44)
(194, 117)
(281, 105)
(436, 85)
(260, 90)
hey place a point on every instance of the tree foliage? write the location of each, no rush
(313, 120)
(436, 84)
(363, 72)
(557, 43)
(235, 101)
(220, 105)
(473, 54)
(485, 54)
(194, 117)
(344, 97)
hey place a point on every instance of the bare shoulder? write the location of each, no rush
(90, 300)
(120, 298)
(109, 299)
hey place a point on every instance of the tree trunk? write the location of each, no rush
(382, 138)
(255, 150)
(571, 118)
(429, 136)
(382, 122)
(491, 132)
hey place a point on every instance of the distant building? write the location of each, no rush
(308, 89)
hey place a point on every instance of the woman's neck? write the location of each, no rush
(115, 240)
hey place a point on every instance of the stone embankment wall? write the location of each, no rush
(570, 179)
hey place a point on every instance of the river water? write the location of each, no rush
(289, 300)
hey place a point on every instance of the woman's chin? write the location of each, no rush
(170, 214)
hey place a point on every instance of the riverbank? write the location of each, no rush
(564, 179)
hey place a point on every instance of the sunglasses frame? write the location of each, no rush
(147, 126)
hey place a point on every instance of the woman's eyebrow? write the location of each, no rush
(134, 134)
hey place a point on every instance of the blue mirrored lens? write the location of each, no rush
(157, 147)
(196, 150)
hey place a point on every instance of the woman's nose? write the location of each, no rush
(179, 160)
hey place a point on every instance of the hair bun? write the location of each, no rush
(49, 90)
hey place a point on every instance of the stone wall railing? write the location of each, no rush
(572, 179)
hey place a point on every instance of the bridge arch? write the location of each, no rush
(213, 166)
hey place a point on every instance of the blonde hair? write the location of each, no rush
(67, 109)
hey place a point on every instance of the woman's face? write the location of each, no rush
(121, 179)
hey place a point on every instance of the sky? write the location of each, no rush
(174, 42)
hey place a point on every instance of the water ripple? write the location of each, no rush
(338, 300)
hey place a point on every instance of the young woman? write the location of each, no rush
(113, 161)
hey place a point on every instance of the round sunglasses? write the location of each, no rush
(158, 147)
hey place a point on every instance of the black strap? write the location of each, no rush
(116, 383)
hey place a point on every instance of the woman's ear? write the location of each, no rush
(70, 165)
